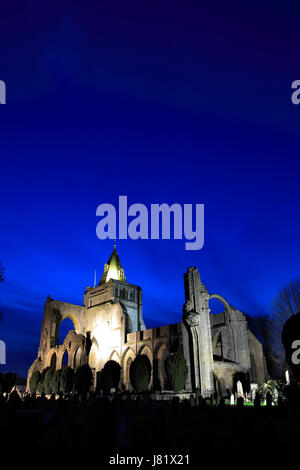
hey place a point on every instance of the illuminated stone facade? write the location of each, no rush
(110, 325)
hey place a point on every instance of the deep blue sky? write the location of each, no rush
(187, 104)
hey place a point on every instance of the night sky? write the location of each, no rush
(162, 102)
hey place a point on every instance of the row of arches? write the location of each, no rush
(60, 357)
(158, 374)
(73, 352)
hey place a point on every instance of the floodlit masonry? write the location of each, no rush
(109, 325)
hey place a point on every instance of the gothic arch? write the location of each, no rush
(216, 338)
(147, 351)
(72, 343)
(128, 357)
(225, 350)
(221, 299)
(115, 357)
(71, 316)
(64, 354)
(49, 358)
(159, 374)
(93, 359)
(59, 320)
(217, 345)
(77, 358)
(227, 307)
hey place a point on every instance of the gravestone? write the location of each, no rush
(287, 377)
(275, 396)
(239, 389)
(253, 390)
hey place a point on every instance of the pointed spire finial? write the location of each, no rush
(113, 268)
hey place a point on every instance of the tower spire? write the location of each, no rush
(113, 268)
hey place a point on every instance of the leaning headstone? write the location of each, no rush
(275, 396)
(239, 388)
(287, 377)
(253, 390)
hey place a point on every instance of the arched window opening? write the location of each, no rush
(65, 359)
(64, 328)
(77, 358)
(216, 306)
(218, 348)
(53, 361)
(93, 357)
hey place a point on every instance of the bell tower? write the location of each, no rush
(113, 287)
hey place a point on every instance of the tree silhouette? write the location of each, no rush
(55, 381)
(110, 376)
(140, 373)
(83, 379)
(34, 381)
(262, 327)
(284, 306)
(290, 341)
(66, 379)
(177, 370)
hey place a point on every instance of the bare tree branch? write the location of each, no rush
(263, 328)
(286, 304)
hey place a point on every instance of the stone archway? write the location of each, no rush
(93, 359)
(51, 358)
(74, 321)
(115, 357)
(227, 307)
(147, 352)
(217, 345)
(65, 358)
(160, 379)
(128, 357)
(77, 357)
(53, 361)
